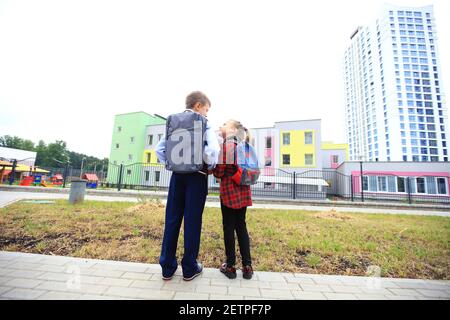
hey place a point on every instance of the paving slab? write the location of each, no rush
(33, 276)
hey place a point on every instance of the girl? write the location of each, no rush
(234, 200)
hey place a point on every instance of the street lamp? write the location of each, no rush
(81, 170)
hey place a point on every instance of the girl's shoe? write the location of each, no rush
(247, 272)
(229, 272)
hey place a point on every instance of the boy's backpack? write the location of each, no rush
(247, 165)
(185, 144)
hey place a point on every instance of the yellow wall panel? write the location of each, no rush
(297, 148)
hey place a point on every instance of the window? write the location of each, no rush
(420, 185)
(117, 146)
(308, 138)
(373, 183)
(431, 185)
(335, 159)
(130, 157)
(268, 142)
(286, 159)
(441, 186)
(147, 175)
(157, 176)
(401, 186)
(129, 172)
(365, 183)
(268, 185)
(150, 139)
(391, 184)
(149, 158)
(268, 162)
(160, 136)
(286, 138)
(308, 159)
(131, 139)
(119, 129)
(382, 184)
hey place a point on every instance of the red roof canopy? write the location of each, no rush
(90, 177)
(58, 177)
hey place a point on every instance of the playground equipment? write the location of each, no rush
(36, 180)
(57, 179)
(45, 184)
(27, 181)
(92, 180)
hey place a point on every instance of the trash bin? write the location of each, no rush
(77, 190)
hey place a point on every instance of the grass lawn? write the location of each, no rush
(281, 240)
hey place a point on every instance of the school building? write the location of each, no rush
(287, 147)
(293, 158)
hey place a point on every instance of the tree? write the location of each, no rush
(56, 153)
(41, 153)
(17, 143)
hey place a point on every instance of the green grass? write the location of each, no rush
(290, 241)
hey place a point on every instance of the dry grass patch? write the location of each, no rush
(290, 241)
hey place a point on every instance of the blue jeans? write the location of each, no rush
(186, 198)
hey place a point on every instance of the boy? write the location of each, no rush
(187, 196)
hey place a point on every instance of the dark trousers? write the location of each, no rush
(234, 220)
(186, 198)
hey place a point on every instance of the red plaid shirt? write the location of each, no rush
(232, 195)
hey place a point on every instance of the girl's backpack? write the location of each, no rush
(247, 165)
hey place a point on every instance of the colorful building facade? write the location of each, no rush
(128, 144)
(296, 146)
(285, 148)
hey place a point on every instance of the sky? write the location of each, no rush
(67, 67)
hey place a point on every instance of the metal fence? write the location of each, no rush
(313, 184)
(278, 183)
(417, 189)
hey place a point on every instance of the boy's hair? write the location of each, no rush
(196, 97)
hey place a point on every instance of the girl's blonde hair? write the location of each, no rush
(241, 133)
(248, 136)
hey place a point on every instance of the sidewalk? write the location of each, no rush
(40, 277)
(7, 197)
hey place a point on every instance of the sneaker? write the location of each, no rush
(166, 278)
(199, 271)
(247, 272)
(229, 272)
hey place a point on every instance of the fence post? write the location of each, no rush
(120, 177)
(294, 188)
(65, 175)
(351, 186)
(409, 190)
(362, 180)
(13, 172)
